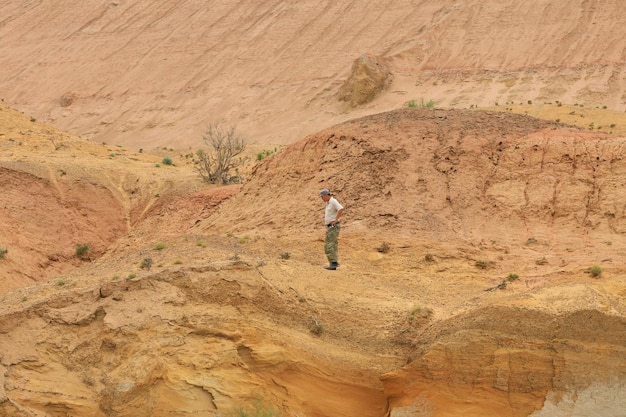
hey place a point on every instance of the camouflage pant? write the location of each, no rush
(331, 242)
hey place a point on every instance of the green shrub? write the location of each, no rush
(81, 251)
(482, 264)
(160, 246)
(417, 311)
(512, 277)
(595, 271)
(146, 263)
(3, 251)
(167, 161)
(421, 104)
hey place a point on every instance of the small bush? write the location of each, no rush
(146, 263)
(417, 311)
(482, 264)
(512, 277)
(3, 251)
(383, 248)
(595, 271)
(81, 251)
(285, 255)
(160, 246)
(316, 327)
(167, 161)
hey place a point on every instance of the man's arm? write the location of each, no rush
(339, 214)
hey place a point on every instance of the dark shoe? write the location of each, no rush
(332, 266)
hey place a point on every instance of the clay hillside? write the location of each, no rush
(479, 148)
(147, 74)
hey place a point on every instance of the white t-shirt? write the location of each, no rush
(332, 207)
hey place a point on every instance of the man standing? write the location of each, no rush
(333, 213)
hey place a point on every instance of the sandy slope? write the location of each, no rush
(144, 74)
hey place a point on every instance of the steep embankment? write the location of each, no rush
(451, 174)
(144, 74)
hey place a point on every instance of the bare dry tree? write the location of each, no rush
(222, 156)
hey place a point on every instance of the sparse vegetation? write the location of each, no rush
(178, 262)
(262, 155)
(420, 312)
(421, 104)
(482, 264)
(429, 258)
(115, 277)
(167, 161)
(3, 251)
(24, 298)
(316, 327)
(223, 155)
(512, 277)
(82, 251)
(285, 255)
(244, 239)
(595, 271)
(384, 248)
(61, 282)
(259, 410)
(131, 276)
(160, 246)
(146, 263)
(201, 244)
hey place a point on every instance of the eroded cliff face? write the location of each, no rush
(517, 362)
